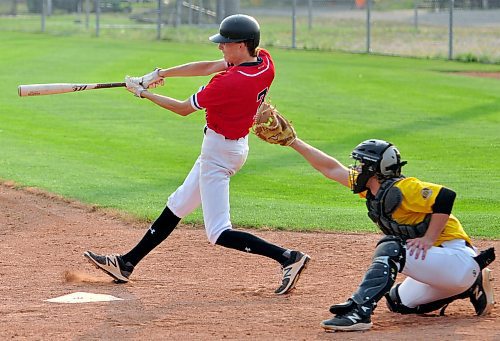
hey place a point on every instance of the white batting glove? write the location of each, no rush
(133, 86)
(152, 79)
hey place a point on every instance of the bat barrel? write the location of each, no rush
(60, 88)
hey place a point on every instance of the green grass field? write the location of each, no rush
(107, 147)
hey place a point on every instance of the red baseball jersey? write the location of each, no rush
(232, 97)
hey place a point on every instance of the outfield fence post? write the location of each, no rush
(158, 22)
(450, 31)
(198, 12)
(87, 14)
(310, 14)
(178, 13)
(368, 25)
(97, 16)
(294, 18)
(44, 14)
(190, 13)
(415, 15)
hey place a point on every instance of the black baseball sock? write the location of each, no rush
(247, 242)
(158, 232)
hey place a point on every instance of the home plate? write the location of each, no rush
(83, 297)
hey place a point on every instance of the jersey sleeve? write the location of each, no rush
(213, 94)
(419, 195)
(194, 99)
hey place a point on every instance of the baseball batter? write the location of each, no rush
(423, 240)
(230, 100)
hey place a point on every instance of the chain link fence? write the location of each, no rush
(466, 30)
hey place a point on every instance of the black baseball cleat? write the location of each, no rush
(485, 257)
(291, 271)
(343, 308)
(481, 293)
(357, 319)
(113, 265)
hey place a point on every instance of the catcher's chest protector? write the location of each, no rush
(384, 203)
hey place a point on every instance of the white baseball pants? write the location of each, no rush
(446, 271)
(208, 182)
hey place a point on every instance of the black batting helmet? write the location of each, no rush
(237, 28)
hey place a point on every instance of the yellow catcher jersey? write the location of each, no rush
(418, 199)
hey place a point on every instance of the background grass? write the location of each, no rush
(108, 148)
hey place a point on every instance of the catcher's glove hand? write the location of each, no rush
(269, 125)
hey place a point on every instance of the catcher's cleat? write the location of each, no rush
(481, 293)
(485, 257)
(291, 271)
(113, 265)
(358, 319)
(342, 308)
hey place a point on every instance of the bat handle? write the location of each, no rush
(110, 85)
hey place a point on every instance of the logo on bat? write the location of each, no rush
(79, 87)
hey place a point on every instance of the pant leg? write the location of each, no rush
(446, 271)
(186, 197)
(220, 159)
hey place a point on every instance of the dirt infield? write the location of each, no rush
(187, 289)
(495, 75)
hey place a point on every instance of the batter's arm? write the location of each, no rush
(327, 165)
(182, 108)
(202, 68)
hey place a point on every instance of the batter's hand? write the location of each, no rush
(133, 86)
(152, 79)
(419, 246)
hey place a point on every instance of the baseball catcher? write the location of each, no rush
(269, 125)
(423, 240)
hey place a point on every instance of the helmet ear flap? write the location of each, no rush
(396, 168)
(390, 162)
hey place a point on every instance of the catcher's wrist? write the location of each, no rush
(290, 142)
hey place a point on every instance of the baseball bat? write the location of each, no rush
(61, 88)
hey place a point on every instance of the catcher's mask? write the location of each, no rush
(375, 157)
(238, 28)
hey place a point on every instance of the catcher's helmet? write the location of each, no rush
(377, 157)
(237, 28)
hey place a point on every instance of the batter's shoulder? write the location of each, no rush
(264, 54)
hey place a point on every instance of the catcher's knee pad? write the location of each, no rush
(388, 259)
(394, 304)
(394, 248)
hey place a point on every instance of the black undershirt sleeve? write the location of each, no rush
(444, 201)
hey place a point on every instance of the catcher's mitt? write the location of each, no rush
(270, 126)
